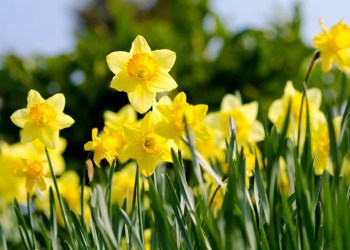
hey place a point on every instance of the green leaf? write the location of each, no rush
(53, 220)
(2, 239)
(178, 213)
(162, 226)
(80, 230)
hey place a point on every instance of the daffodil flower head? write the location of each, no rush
(107, 145)
(42, 119)
(35, 171)
(248, 129)
(172, 119)
(115, 121)
(320, 144)
(142, 73)
(278, 110)
(145, 146)
(334, 46)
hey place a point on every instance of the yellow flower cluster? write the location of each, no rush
(142, 74)
(26, 164)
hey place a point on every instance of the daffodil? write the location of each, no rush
(108, 145)
(248, 129)
(171, 119)
(70, 190)
(29, 160)
(123, 185)
(320, 145)
(334, 46)
(142, 73)
(278, 110)
(145, 146)
(42, 119)
(11, 186)
(115, 121)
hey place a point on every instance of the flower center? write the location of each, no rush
(42, 114)
(35, 169)
(142, 67)
(150, 145)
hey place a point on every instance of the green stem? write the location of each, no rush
(30, 220)
(137, 183)
(109, 189)
(82, 198)
(59, 198)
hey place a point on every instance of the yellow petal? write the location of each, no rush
(30, 132)
(342, 59)
(201, 111)
(29, 184)
(57, 101)
(64, 121)
(229, 102)
(140, 45)
(41, 183)
(49, 137)
(123, 82)
(250, 111)
(213, 120)
(326, 61)
(147, 123)
(20, 117)
(321, 163)
(117, 61)
(133, 151)
(289, 89)
(256, 133)
(165, 58)
(132, 133)
(142, 99)
(163, 82)
(275, 111)
(147, 164)
(314, 97)
(34, 97)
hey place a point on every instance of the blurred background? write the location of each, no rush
(222, 46)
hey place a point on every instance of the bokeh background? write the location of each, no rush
(222, 46)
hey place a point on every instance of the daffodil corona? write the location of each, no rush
(142, 73)
(42, 119)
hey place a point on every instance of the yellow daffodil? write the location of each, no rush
(171, 123)
(29, 160)
(145, 146)
(334, 46)
(248, 129)
(70, 190)
(11, 186)
(142, 73)
(108, 145)
(42, 119)
(123, 185)
(321, 145)
(278, 109)
(115, 121)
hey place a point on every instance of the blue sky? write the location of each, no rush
(47, 26)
